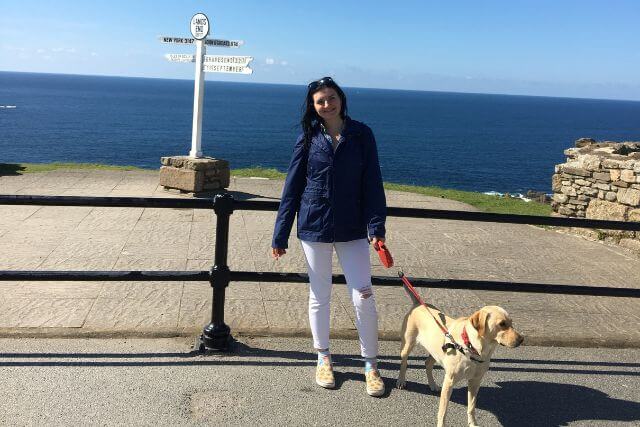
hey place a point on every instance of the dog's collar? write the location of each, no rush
(455, 346)
(472, 350)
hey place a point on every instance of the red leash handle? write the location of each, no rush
(385, 256)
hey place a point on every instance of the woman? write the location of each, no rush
(334, 185)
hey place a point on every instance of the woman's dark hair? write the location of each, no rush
(310, 119)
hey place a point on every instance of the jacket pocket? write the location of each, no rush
(313, 209)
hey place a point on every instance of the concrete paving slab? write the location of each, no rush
(69, 213)
(167, 214)
(114, 214)
(280, 266)
(41, 190)
(17, 212)
(36, 234)
(517, 302)
(282, 315)
(105, 224)
(146, 261)
(11, 261)
(156, 249)
(285, 292)
(42, 312)
(51, 290)
(142, 290)
(205, 216)
(157, 311)
(54, 223)
(88, 244)
(173, 235)
(195, 313)
(25, 249)
(199, 264)
(250, 291)
(163, 228)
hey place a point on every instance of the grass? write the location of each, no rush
(259, 172)
(481, 201)
(484, 202)
(20, 168)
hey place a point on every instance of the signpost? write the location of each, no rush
(200, 29)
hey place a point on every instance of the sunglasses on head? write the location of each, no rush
(322, 81)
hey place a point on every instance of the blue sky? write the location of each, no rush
(585, 48)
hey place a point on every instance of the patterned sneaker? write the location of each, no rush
(324, 376)
(375, 385)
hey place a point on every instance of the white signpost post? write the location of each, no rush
(200, 29)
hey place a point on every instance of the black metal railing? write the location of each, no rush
(217, 335)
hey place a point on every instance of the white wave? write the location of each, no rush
(512, 195)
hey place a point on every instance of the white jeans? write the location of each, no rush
(354, 259)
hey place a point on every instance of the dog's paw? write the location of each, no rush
(434, 387)
(401, 384)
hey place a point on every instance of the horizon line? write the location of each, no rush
(345, 86)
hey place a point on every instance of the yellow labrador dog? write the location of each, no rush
(484, 330)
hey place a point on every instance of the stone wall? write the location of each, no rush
(600, 180)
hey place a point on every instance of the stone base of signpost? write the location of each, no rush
(194, 175)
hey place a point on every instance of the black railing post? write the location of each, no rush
(217, 335)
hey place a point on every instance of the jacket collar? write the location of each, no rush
(351, 128)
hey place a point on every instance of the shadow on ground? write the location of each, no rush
(537, 403)
(265, 357)
(10, 169)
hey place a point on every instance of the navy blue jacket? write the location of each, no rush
(338, 196)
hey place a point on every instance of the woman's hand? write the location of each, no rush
(377, 240)
(277, 252)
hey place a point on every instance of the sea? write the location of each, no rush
(475, 142)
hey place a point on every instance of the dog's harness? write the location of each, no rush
(447, 345)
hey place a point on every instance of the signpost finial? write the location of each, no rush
(199, 26)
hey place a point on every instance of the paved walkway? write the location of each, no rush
(269, 381)
(86, 238)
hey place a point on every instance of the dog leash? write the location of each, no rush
(453, 344)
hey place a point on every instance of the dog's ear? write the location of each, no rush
(478, 321)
